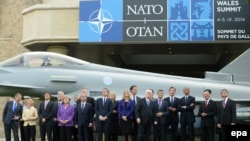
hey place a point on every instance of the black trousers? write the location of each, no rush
(30, 132)
(190, 126)
(83, 133)
(223, 134)
(144, 129)
(22, 130)
(102, 127)
(46, 129)
(56, 136)
(7, 130)
(207, 133)
(75, 134)
(159, 131)
(174, 127)
(134, 130)
(65, 133)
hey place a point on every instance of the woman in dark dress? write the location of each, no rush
(125, 111)
(114, 124)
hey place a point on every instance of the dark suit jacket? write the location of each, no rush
(228, 115)
(137, 99)
(144, 112)
(8, 114)
(188, 112)
(55, 108)
(114, 116)
(83, 117)
(91, 101)
(47, 113)
(173, 116)
(210, 110)
(163, 109)
(105, 110)
(126, 110)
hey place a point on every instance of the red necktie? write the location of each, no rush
(206, 103)
(224, 103)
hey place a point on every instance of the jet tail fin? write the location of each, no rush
(237, 72)
(239, 66)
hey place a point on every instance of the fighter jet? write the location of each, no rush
(34, 73)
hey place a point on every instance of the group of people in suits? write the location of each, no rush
(133, 117)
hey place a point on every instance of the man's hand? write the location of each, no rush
(219, 125)
(15, 118)
(159, 114)
(43, 120)
(203, 114)
(183, 107)
(173, 109)
(138, 120)
(124, 118)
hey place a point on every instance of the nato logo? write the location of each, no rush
(100, 21)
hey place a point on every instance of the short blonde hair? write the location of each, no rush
(66, 97)
(124, 92)
(29, 99)
(112, 94)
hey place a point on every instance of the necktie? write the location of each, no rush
(224, 103)
(160, 103)
(172, 101)
(14, 107)
(104, 100)
(82, 107)
(186, 99)
(148, 102)
(45, 105)
(134, 99)
(206, 103)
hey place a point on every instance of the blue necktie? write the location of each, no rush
(172, 101)
(14, 107)
(148, 102)
(186, 99)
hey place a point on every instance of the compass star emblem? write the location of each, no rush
(100, 21)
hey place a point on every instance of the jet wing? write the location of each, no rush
(19, 86)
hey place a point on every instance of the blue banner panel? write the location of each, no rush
(131, 21)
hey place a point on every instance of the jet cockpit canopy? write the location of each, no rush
(43, 59)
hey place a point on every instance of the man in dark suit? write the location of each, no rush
(160, 113)
(207, 112)
(92, 102)
(187, 105)
(226, 114)
(144, 114)
(172, 119)
(103, 110)
(83, 118)
(11, 115)
(46, 115)
(133, 91)
(75, 130)
(57, 104)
